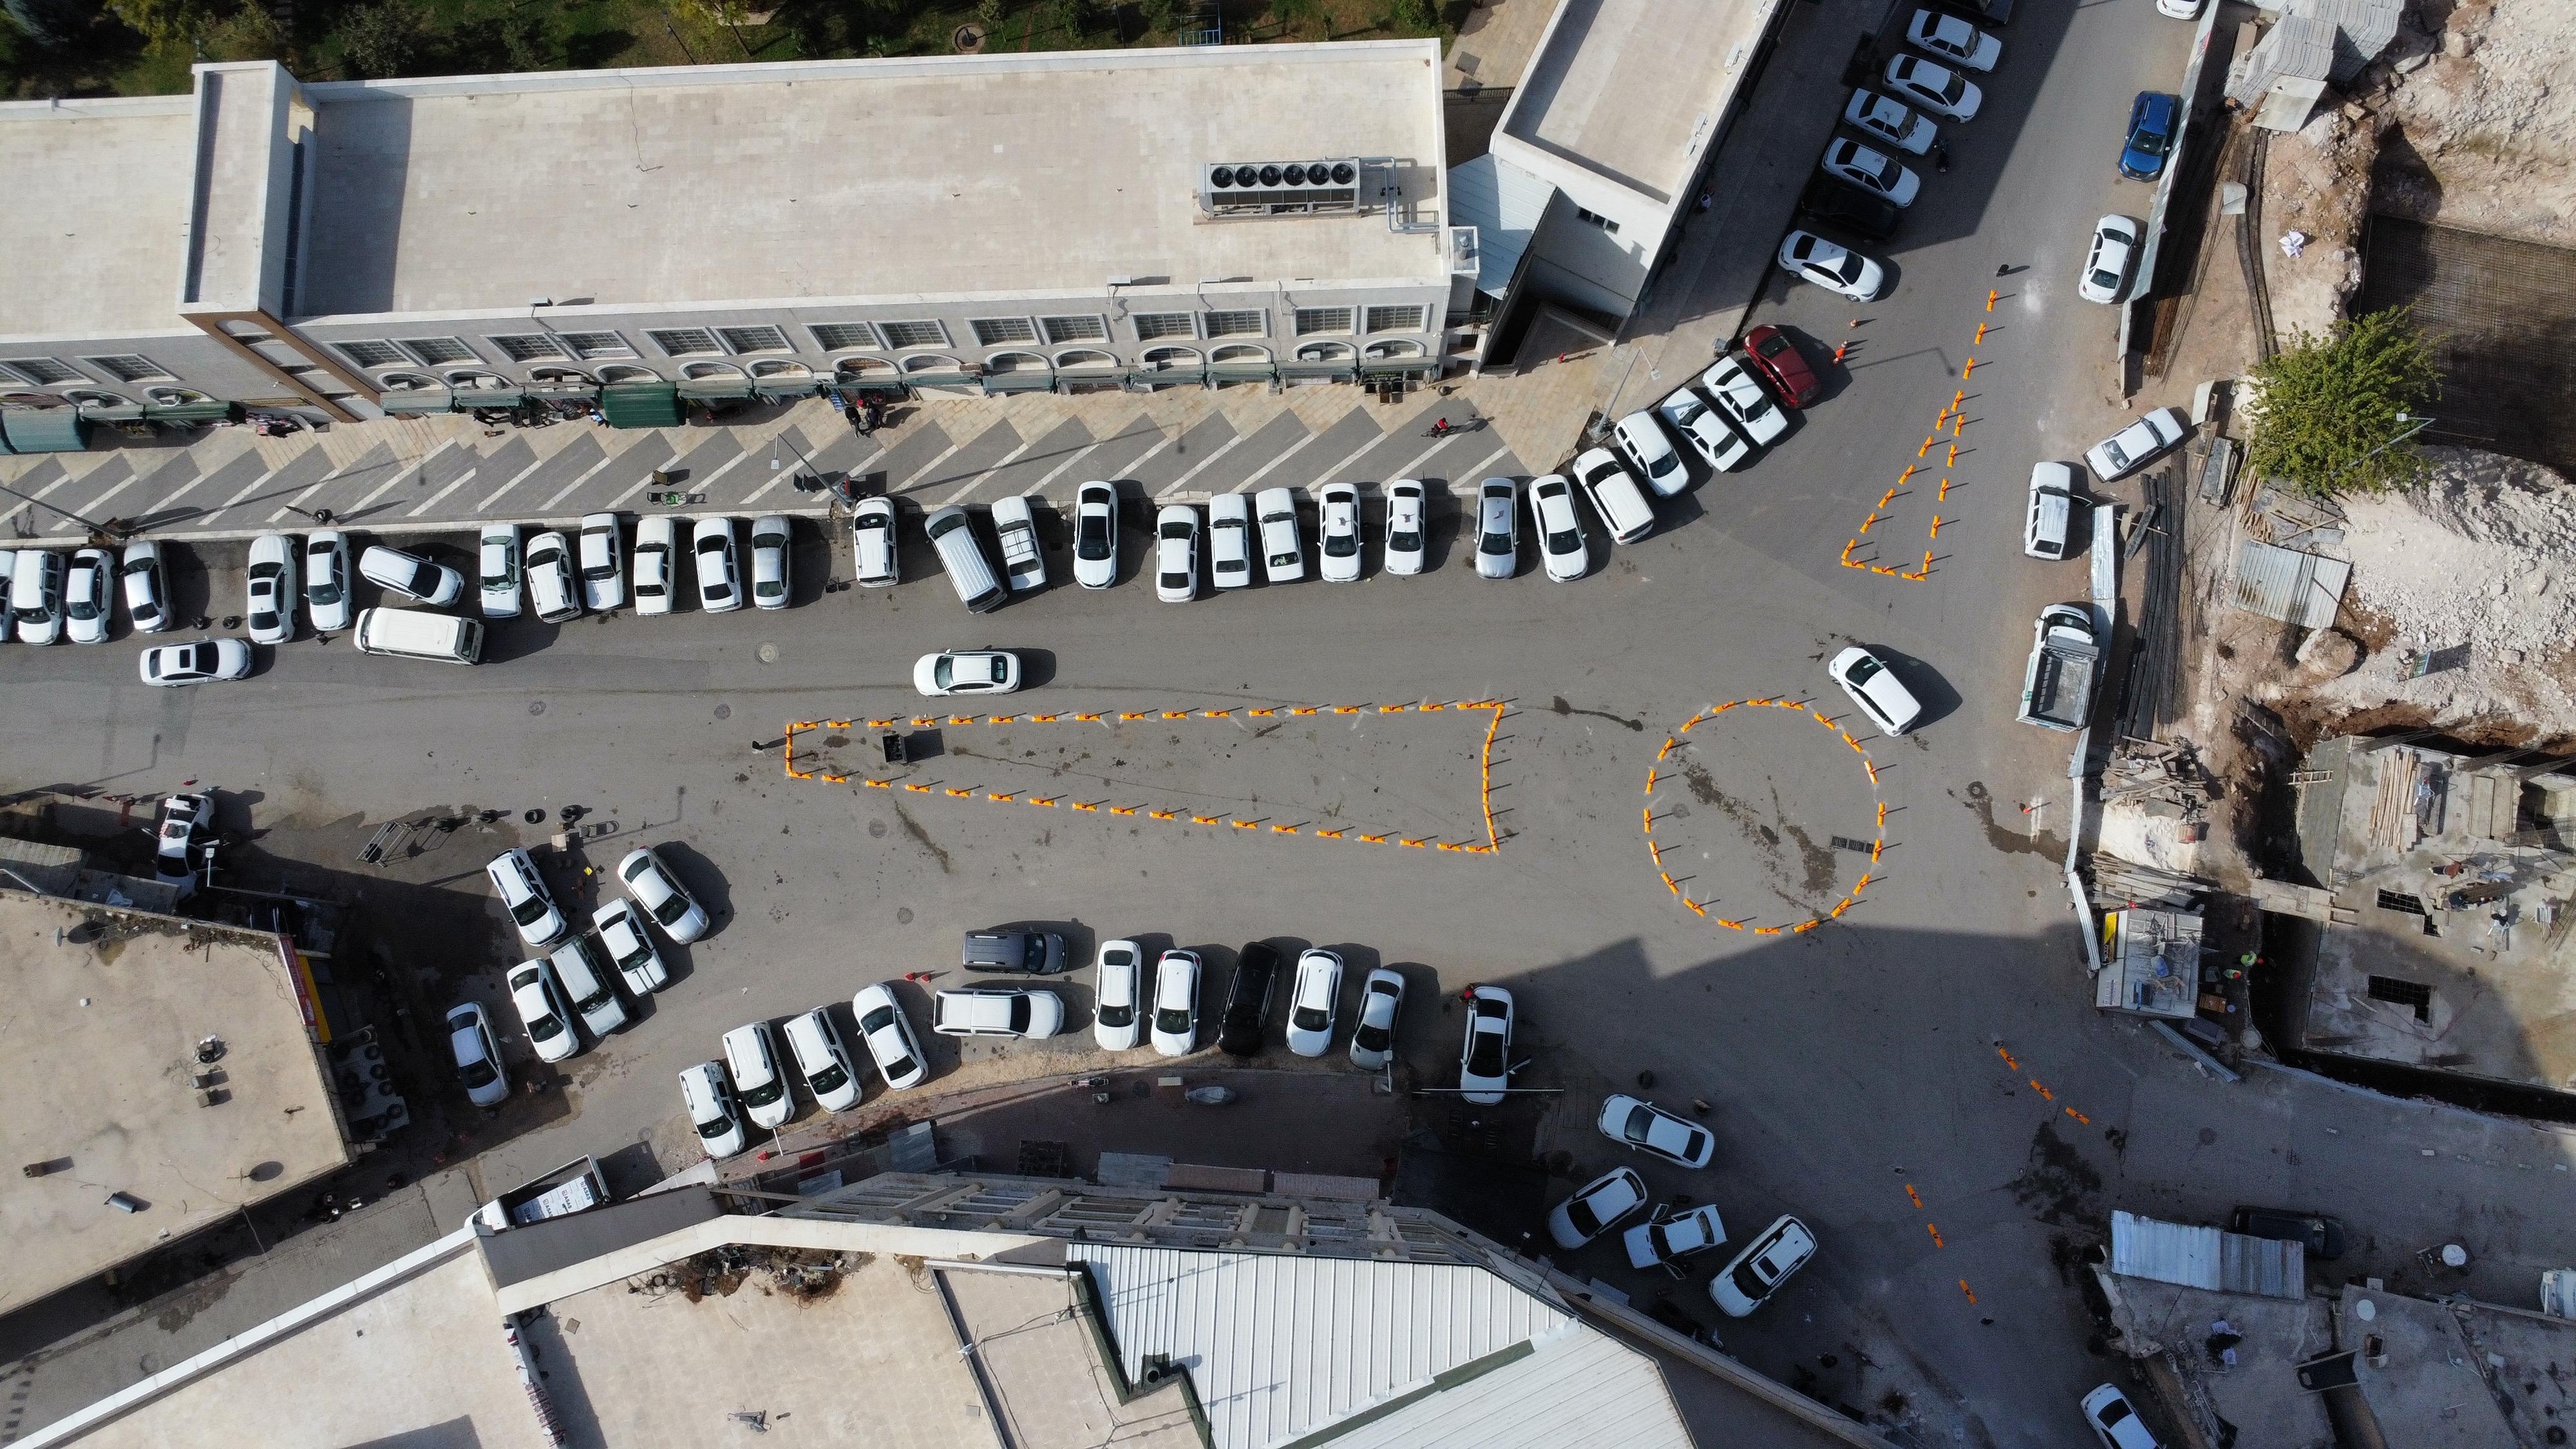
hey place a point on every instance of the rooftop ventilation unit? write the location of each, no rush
(1279, 188)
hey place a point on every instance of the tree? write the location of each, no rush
(165, 21)
(249, 33)
(379, 41)
(2333, 411)
(52, 23)
(988, 13)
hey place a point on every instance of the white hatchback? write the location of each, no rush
(1757, 1272)
(888, 1035)
(1381, 1005)
(1230, 540)
(1176, 553)
(498, 550)
(1404, 527)
(1283, 556)
(1118, 1005)
(1651, 452)
(1176, 1003)
(872, 548)
(1317, 1003)
(1337, 533)
(1666, 1241)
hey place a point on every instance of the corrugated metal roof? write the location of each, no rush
(1581, 1387)
(1503, 203)
(2197, 1257)
(2363, 29)
(2282, 583)
(1279, 1346)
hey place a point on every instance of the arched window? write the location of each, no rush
(1326, 352)
(469, 379)
(559, 377)
(1240, 353)
(930, 363)
(1395, 349)
(173, 396)
(1014, 362)
(406, 381)
(1085, 359)
(627, 372)
(710, 369)
(95, 399)
(781, 367)
(1171, 357)
(863, 368)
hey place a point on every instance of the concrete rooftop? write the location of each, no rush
(97, 1078)
(1633, 89)
(2460, 1374)
(853, 179)
(2168, 1327)
(96, 226)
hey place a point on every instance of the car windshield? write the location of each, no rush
(1311, 1018)
(477, 1073)
(1176, 532)
(672, 908)
(1341, 545)
(943, 673)
(1485, 1059)
(1863, 670)
(323, 590)
(1093, 542)
(1172, 580)
(877, 1020)
(1640, 1123)
(1497, 539)
(529, 911)
(1173, 1019)
(2118, 455)
(714, 1127)
(1115, 1017)
(766, 1093)
(498, 572)
(830, 1079)
(2105, 280)
(544, 1026)
(770, 589)
(1750, 1282)
(901, 1067)
(1567, 542)
(641, 953)
(1663, 465)
(1586, 1222)
(1370, 1038)
(84, 608)
(2114, 1412)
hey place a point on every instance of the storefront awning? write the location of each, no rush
(1166, 376)
(936, 379)
(1032, 380)
(43, 430)
(206, 411)
(640, 405)
(416, 400)
(1341, 371)
(468, 399)
(566, 390)
(711, 388)
(1398, 366)
(786, 389)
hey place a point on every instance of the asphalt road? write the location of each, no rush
(1876, 1075)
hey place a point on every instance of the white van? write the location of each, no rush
(36, 595)
(952, 534)
(588, 984)
(420, 634)
(1614, 494)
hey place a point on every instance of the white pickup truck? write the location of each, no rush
(2057, 688)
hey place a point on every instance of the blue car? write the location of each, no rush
(2151, 133)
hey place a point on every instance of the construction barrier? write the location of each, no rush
(1952, 418)
(1655, 849)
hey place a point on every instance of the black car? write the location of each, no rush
(1023, 953)
(1247, 1001)
(2322, 1235)
(1850, 208)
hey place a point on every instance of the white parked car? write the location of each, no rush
(1176, 1003)
(326, 580)
(524, 895)
(147, 591)
(1095, 535)
(966, 671)
(1316, 1003)
(1562, 549)
(1485, 1057)
(996, 1011)
(1337, 533)
(36, 595)
(2137, 445)
(2180, 9)
(1741, 396)
(1778, 1251)
(1118, 996)
(1230, 540)
(1875, 688)
(1666, 1241)
(1381, 1006)
(1023, 563)
(1935, 88)
(1404, 527)
(1831, 265)
(271, 589)
(187, 821)
(751, 1055)
(1498, 528)
(771, 538)
(552, 590)
(660, 892)
(1888, 119)
(1176, 553)
(872, 548)
(815, 1045)
(656, 564)
(89, 593)
(2105, 277)
(1283, 556)
(543, 1010)
(587, 984)
(2048, 523)
(713, 559)
(1719, 446)
(478, 1056)
(498, 555)
(1870, 170)
(630, 946)
(603, 567)
(888, 1035)
(1650, 452)
(204, 662)
(411, 576)
(1953, 39)
(1595, 1208)
(712, 1110)
(1615, 495)
(1644, 1127)
(2115, 1421)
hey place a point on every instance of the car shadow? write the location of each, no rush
(507, 639)
(1442, 520)
(1938, 699)
(1037, 667)
(699, 877)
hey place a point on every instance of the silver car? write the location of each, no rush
(770, 536)
(271, 588)
(1498, 528)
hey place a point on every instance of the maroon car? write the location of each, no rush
(1778, 360)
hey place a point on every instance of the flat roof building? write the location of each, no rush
(162, 1078)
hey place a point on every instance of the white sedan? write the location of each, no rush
(204, 662)
(1381, 1003)
(1879, 174)
(271, 589)
(1230, 540)
(2114, 1421)
(1953, 39)
(719, 571)
(1337, 530)
(1485, 1057)
(1404, 527)
(630, 946)
(1316, 1004)
(1095, 535)
(1118, 996)
(1562, 548)
(771, 537)
(326, 580)
(872, 549)
(498, 549)
(1283, 557)
(1888, 119)
(2105, 277)
(88, 594)
(1176, 1003)
(656, 564)
(478, 1056)
(1876, 689)
(411, 576)
(1936, 88)
(1176, 553)
(2136, 445)
(543, 1010)
(552, 590)
(603, 573)
(147, 597)
(1664, 1242)
(967, 671)
(1831, 266)
(888, 1034)
(1740, 396)
(1718, 445)
(1595, 1208)
(1644, 1127)
(658, 891)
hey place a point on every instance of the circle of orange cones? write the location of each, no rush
(1878, 841)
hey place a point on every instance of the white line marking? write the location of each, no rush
(924, 470)
(1202, 465)
(1336, 471)
(566, 491)
(440, 496)
(95, 503)
(1489, 460)
(495, 495)
(1060, 469)
(638, 486)
(722, 469)
(978, 480)
(419, 469)
(173, 495)
(1263, 471)
(47, 491)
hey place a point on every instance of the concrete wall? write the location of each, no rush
(193, 360)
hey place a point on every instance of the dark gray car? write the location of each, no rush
(1023, 953)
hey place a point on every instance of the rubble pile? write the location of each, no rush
(2479, 121)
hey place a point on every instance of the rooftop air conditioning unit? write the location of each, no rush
(1279, 188)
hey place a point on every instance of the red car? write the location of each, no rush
(1778, 360)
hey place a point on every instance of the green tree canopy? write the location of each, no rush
(2334, 409)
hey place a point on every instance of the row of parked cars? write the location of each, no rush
(1675, 1232)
